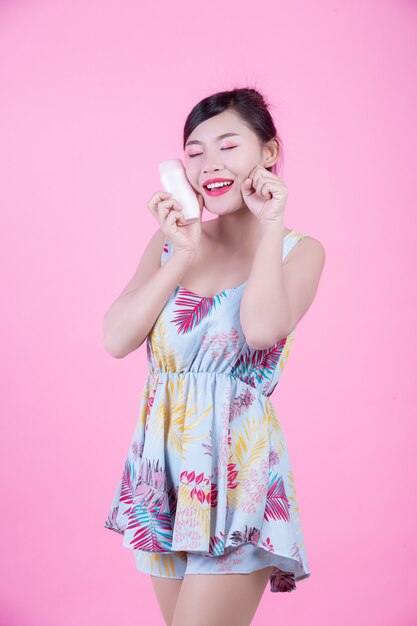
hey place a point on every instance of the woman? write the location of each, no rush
(207, 486)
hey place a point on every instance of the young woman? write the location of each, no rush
(207, 497)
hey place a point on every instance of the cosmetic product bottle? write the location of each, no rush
(174, 180)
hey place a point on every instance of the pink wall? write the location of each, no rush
(93, 95)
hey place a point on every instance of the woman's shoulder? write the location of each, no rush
(305, 245)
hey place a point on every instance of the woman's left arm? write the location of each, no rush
(277, 295)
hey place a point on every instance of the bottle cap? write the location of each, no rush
(171, 164)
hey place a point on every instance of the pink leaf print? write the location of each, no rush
(255, 366)
(223, 339)
(277, 503)
(194, 309)
(231, 475)
(282, 581)
(189, 477)
(234, 335)
(212, 496)
(199, 478)
(268, 545)
(273, 457)
(240, 403)
(216, 544)
(248, 507)
(205, 342)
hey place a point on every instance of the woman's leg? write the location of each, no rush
(166, 590)
(167, 571)
(213, 599)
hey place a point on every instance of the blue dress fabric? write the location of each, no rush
(208, 470)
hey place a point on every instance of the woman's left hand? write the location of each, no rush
(265, 194)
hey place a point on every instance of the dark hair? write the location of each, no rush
(251, 107)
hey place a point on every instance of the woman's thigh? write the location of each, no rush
(167, 571)
(210, 599)
(166, 591)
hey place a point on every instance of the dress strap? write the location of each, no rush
(290, 241)
(166, 251)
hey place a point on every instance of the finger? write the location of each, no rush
(265, 189)
(171, 203)
(266, 184)
(261, 172)
(173, 216)
(155, 199)
(257, 172)
(163, 214)
(167, 206)
(261, 176)
(247, 187)
(276, 192)
(254, 171)
(158, 197)
(256, 175)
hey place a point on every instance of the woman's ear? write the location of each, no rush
(271, 152)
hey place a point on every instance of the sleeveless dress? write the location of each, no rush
(208, 468)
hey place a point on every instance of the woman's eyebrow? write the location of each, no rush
(219, 137)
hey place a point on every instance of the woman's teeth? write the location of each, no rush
(216, 185)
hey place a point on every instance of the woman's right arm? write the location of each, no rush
(130, 318)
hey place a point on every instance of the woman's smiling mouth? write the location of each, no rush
(218, 189)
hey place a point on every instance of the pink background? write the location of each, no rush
(93, 95)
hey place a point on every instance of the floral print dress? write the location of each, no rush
(208, 469)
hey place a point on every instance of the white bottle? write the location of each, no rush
(174, 180)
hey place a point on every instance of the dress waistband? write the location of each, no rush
(168, 373)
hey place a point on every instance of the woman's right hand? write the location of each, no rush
(170, 215)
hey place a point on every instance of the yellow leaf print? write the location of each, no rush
(248, 450)
(276, 432)
(180, 417)
(164, 356)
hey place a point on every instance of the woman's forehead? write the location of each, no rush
(217, 128)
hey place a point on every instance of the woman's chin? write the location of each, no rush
(219, 210)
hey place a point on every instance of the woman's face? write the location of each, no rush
(209, 156)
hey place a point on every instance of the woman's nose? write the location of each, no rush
(211, 166)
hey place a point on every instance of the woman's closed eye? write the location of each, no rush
(198, 154)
